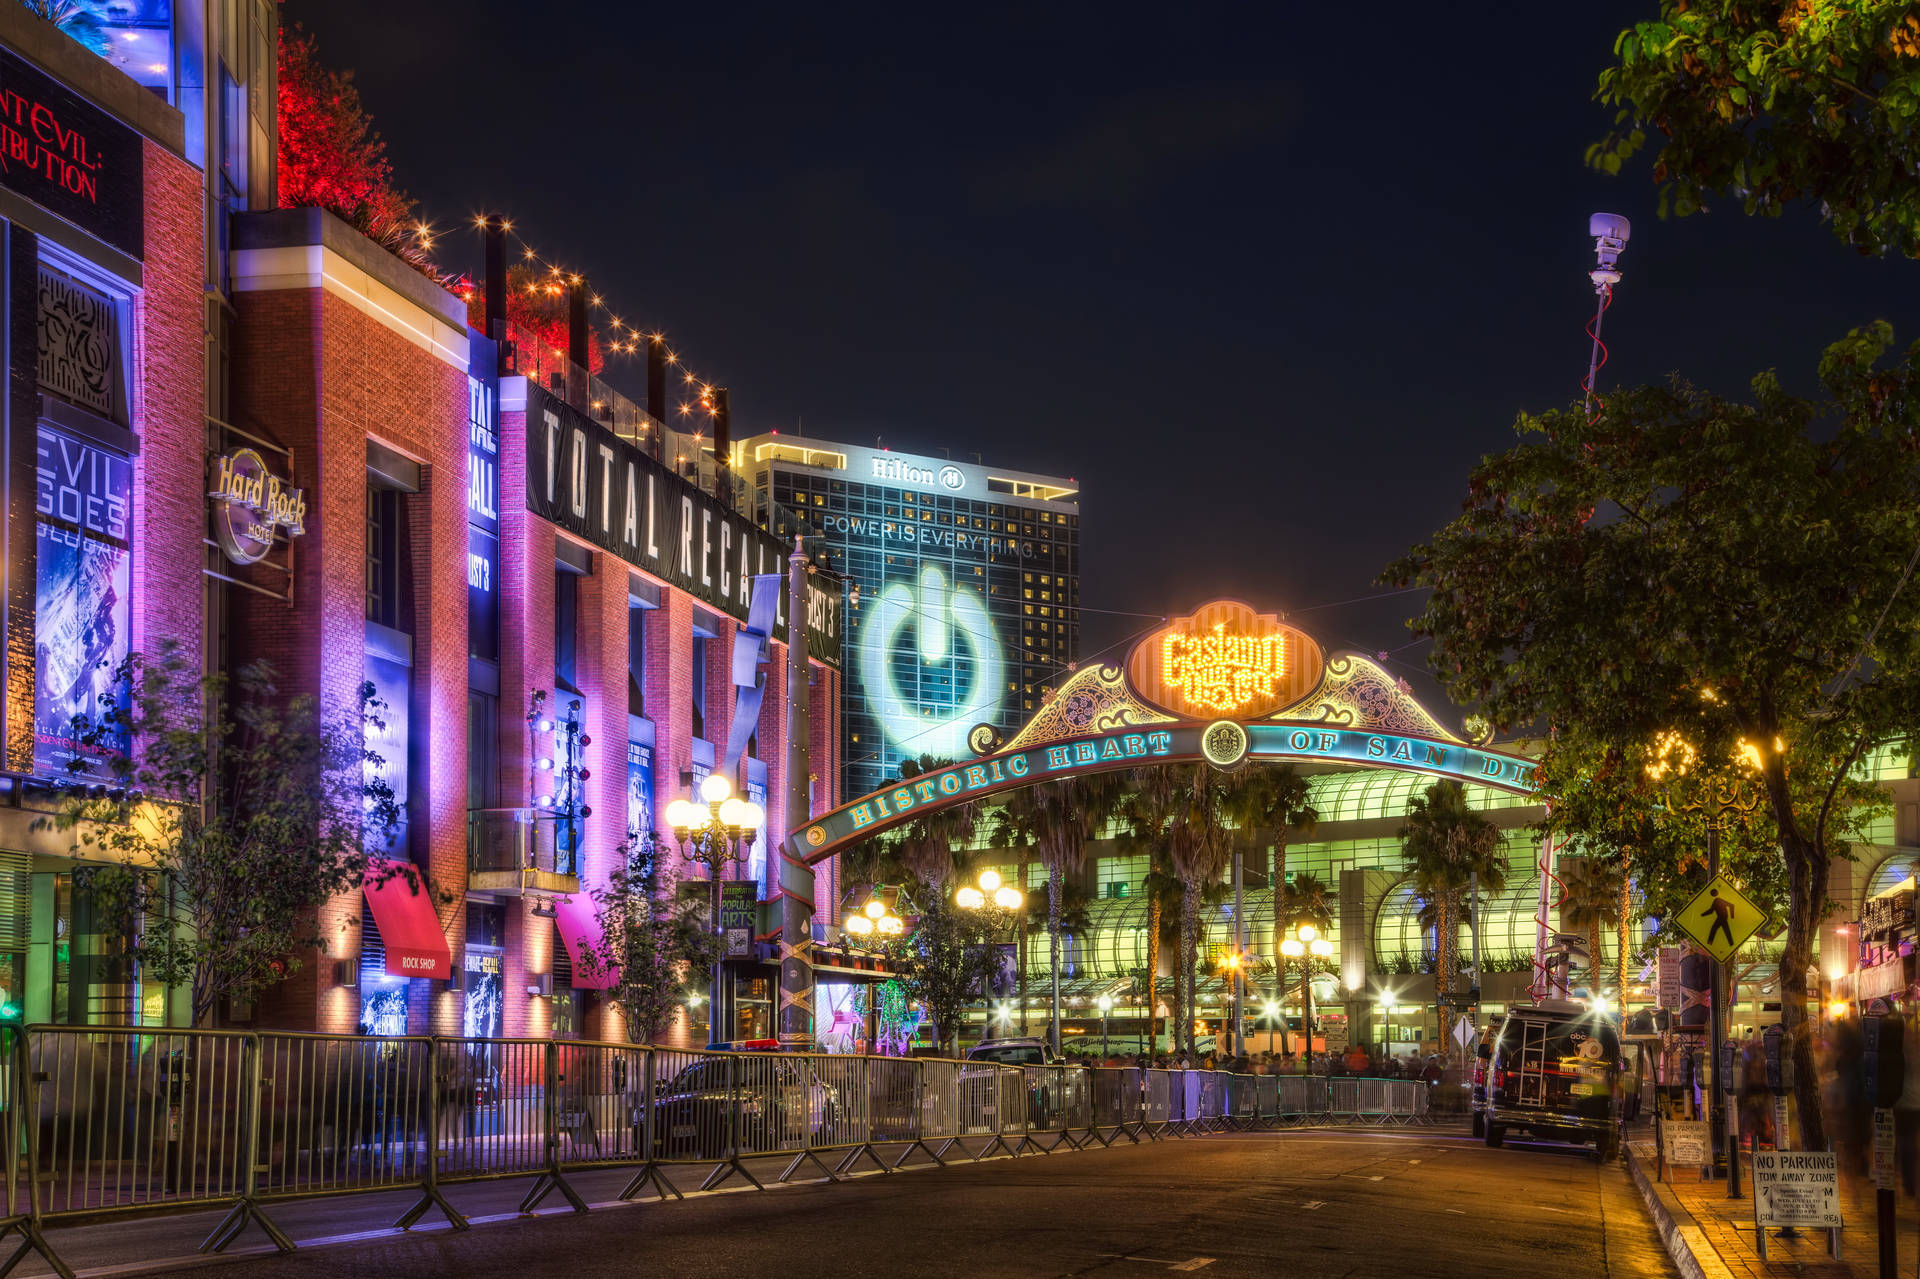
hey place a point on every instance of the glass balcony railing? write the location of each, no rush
(514, 851)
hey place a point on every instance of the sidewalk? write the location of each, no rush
(1712, 1237)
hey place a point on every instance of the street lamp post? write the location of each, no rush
(1106, 1006)
(1714, 796)
(712, 831)
(1309, 947)
(990, 893)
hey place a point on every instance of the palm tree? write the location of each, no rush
(1310, 901)
(1446, 844)
(1198, 849)
(1147, 811)
(1592, 902)
(1056, 818)
(1273, 799)
(925, 845)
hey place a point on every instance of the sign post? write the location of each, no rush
(1793, 1189)
(1721, 919)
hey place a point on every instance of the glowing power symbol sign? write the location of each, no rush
(945, 620)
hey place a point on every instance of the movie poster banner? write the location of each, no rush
(83, 587)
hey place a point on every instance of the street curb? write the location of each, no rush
(1680, 1246)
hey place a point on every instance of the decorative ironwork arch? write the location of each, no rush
(1223, 657)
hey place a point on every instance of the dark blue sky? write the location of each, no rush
(1266, 284)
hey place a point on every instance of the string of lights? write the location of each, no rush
(553, 279)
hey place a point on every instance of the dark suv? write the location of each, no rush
(775, 1103)
(1554, 1072)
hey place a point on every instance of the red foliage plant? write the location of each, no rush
(330, 156)
(536, 307)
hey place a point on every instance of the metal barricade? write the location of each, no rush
(1157, 1104)
(1371, 1104)
(1343, 1098)
(1117, 1097)
(343, 1114)
(1267, 1099)
(128, 1119)
(1076, 1100)
(600, 1104)
(498, 1121)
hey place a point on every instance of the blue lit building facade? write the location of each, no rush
(962, 583)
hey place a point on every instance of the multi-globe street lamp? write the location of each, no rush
(990, 893)
(1308, 946)
(713, 831)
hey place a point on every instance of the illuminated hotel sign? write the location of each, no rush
(1226, 659)
(589, 481)
(1175, 743)
(250, 503)
(896, 470)
(67, 155)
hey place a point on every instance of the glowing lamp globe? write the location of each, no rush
(1007, 897)
(1291, 948)
(680, 814)
(970, 897)
(1321, 947)
(859, 925)
(875, 908)
(1307, 932)
(891, 926)
(1105, 1002)
(714, 787)
(733, 813)
(754, 815)
(989, 880)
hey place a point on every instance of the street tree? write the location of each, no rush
(212, 817)
(1773, 103)
(652, 939)
(1447, 844)
(947, 962)
(1738, 573)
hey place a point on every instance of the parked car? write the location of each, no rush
(1044, 1087)
(1554, 1072)
(766, 1103)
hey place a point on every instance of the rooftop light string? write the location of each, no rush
(619, 338)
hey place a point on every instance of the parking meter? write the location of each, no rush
(1728, 1051)
(1884, 1061)
(1770, 1043)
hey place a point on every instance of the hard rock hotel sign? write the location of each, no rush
(1225, 686)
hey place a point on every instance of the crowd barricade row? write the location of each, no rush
(117, 1120)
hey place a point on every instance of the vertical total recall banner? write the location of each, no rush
(639, 788)
(83, 586)
(483, 511)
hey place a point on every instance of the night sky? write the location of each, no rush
(1266, 284)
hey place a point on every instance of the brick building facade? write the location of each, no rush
(365, 374)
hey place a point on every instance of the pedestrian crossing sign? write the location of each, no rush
(1721, 919)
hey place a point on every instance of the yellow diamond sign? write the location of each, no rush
(1721, 919)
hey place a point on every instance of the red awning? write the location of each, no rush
(579, 928)
(409, 927)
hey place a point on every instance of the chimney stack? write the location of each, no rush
(722, 444)
(494, 245)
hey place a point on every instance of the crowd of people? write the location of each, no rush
(1355, 1061)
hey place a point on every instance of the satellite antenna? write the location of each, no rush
(1610, 233)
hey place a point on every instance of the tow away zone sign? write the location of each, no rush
(1796, 1188)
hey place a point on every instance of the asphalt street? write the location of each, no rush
(1310, 1203)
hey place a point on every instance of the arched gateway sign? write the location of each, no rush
(1224, 685)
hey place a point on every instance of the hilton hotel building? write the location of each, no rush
(961, 581)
